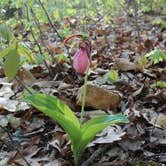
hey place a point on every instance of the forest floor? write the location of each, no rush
(28, 137)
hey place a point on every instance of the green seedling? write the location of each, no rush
(61, 58)
(111, 76)
(64, 31)
(79, 133)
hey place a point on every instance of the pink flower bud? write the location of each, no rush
(81, 61)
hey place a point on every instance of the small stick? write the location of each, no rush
(23, 85)
(38, 25)
(13, 143)
(40, 50)
(94, 155)
(54, 28)
(49, 19)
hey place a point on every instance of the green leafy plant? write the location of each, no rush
(160, 84)
(156, 56)
(160, 22)
(5, 33)
(80, 134)
(62, 58)
(12, 53)
(151, 5)
(64, 31)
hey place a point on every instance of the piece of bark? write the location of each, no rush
(123, 64)
(26, 76)
(98, 98)
(161, 120)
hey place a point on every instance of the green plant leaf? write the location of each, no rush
(160, 84)
(6, 33)
(94, 126)
(6, 51)
(111, 76)
(58, 111)
(62, 58)
(156, 56)
(11, 64)
(64, 32)
(23, 50)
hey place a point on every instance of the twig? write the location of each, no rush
(36, 20)
(94, 155)
(23, 85)
(38, 25)
(13, 143)
(151, 133)
(49, 19)
(136, 18)
(55, 29)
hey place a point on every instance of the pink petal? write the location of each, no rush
(80, 61)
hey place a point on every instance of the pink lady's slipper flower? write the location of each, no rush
(81, 57)
(80, 61)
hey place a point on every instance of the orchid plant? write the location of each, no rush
(80, 133)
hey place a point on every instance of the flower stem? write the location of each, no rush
(84, 93)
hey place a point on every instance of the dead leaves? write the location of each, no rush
(6, 93)
(123, 64)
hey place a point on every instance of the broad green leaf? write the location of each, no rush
(99, 123)
(6, 33)
(58, 111)
(119, 118)
(11, 64)
(6, 51)
(23, 50)
(94, 126)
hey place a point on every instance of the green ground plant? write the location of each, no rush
(156, 56)
(79, 133)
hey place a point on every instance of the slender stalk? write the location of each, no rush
(38, 26)
(49, 19)
(84, 94)
(38, 45)
(136, 8)
(55, 29)
(23, 85)
(85, 88)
